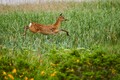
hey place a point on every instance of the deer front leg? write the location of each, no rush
(65, 31)
(57, 31)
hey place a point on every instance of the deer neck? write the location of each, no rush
(57, 23)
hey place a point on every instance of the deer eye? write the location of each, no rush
(61, 14)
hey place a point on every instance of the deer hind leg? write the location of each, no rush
(25, 29)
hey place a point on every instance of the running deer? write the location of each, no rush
(46, 29)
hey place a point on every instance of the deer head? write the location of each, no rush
(61, 18)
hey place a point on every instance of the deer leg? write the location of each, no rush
(65, 31)
(25, 29)
(57, 31)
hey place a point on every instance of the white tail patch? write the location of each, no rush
(30, 24)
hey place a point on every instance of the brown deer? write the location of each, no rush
(46, 29)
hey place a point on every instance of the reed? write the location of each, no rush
(90, 24)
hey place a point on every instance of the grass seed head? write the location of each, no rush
(53, 74)
(4, 73)
(42, 73)
(14, 70)
(11, 76)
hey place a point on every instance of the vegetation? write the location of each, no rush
(74, 64)
(90, 52)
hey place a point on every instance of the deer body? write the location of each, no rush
(38, 28)
(46, 29)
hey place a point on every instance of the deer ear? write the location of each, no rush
(60, 14)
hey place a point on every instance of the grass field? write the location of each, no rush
(94, 27)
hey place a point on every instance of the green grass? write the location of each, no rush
(92, 26)
(89, 24)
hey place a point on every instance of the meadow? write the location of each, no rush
(92, 51)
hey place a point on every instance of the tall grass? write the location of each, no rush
(90, 24)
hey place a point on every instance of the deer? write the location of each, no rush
(47, 29)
